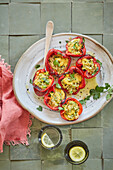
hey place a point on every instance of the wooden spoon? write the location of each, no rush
(49, 31)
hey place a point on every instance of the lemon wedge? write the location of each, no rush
(46, 141)
(77, 153)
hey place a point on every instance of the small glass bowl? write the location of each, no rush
(73, 144)
(54, 134)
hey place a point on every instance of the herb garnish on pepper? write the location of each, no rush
(72, 108)
(57, 62)
(89, 65)
(76, 47)
(42, 81)
(72, 81)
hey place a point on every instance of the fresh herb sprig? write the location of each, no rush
(95, 93)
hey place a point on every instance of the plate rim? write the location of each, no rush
(43, 39)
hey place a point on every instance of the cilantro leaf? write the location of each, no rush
(31, 81)
(72, 75)
(67, 41)
(98, 61)
(107, 85)
(37, 66)
(39, 108)
(56, 62)
(60, 108)
(83, 40)
(58, 86)
(108, 96)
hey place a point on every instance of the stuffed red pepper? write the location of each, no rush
(72, 81)
(76, 47)
(42, 81)
(57, 62)
(71, 109)
(55, 97)
(89, 66)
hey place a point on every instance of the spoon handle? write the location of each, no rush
(49, 31)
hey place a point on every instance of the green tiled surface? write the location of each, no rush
(108, 164)
(18, 45)
(90, 164)
(108, 143)
(60, 14)
(22, 23)
(4, 20)
(89, 135)
(4, 47)
(108, 42)
(26, 165)
(5, 165)
(24, 19)
(87, 18)
(56, 165)
(108, 22)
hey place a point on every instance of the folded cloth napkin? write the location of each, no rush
(14, 120)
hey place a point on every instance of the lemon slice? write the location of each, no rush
(77, 153)
(46, 141)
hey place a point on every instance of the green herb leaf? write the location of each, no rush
(107, 85)
(58, 53)
(44, 86)
(56, 62)
(70, 92)
(108, 96)
(98, 61)
(72, 75)
(96, 96)
(95, 71)
(58, 86)
(83, 40)
(74, 46)
(60, 108)
(39, 108)
(37, 66)
(82, 102)
(67, 41)
(31, 81)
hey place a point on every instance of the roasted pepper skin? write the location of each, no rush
(39, 91)
(71, 70)
(83, 50)
(55, 52)
(79, 104)
(85, 72)
(47, 98)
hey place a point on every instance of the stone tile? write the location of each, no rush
(24, 19)
(5, 165)
(108, 0)
(77, 125)
(93, 139)
(87, 18)
(97, 38)
(57, 153)
(94, 122)
(5, 154)
(37, 124)
(90, 164)
(4, 20)
(18, 45)
(22, 152)
(4, 1)
(4, 47)
(108, 42)
(107, 114)
(108, 142)
(108, 164)
(108, 21)
(26, 165)
(55, 1)
(56, 165)
(60, 14)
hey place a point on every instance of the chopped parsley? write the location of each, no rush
(60, 108)
(58, 86)
(37, 66)
(56, 62)
(39, 108)
(31, 81)
(99, 62)
(95, 71)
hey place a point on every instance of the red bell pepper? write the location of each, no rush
(76, 47)
(57, 95)
(42, 81)
(57, 62)
(72, 80)
(72, 109)
(89, 66)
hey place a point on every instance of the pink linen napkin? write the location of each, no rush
(14, 120)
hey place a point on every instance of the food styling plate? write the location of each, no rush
(25, 69)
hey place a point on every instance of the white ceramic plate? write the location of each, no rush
(25, 70)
